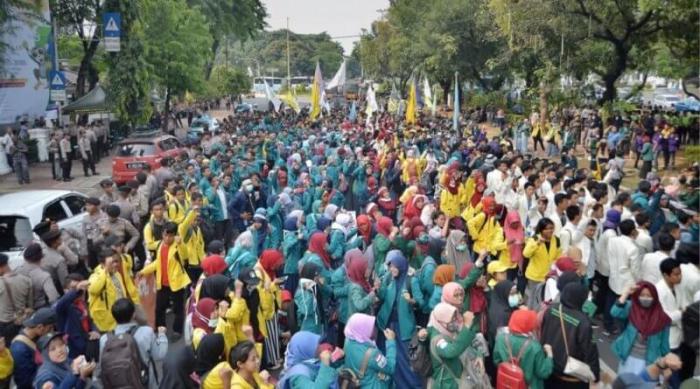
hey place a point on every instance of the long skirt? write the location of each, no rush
(272, 342)
(404, 376)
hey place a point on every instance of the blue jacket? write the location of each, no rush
(239, 204)
(25, 358)
(70, 322)
(657, 344)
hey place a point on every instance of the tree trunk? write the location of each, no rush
(445, 85)
(166, 110)
(210, 64)
(684, 85)
(614, 72)
(86, 68)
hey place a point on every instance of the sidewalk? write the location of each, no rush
(40, 175)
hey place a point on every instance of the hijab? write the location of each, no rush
(317, 245)
(360, 327)
(50, 370)
(356, 269)
(444, 274)
(213, 264)
(177, 367)
(290, 223)
(214, 287)
(448, 292)
(522, 321)
(435, 247)
(442, 314)
(567, 277)
(384, 226)
(330, 211)
(302, 347)
(454, 257)
(396, 258)
(364, 228)
(498, 308)
(573, 296)
(270, 261)
(647, 321)
(202, 313)
(563, 264)
(515, 235)
(322, 223)
(209, 353)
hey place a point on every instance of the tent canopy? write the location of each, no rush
(93, 101)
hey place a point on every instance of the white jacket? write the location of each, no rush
(650, 266)
(644, 242)
(690, 284)
(603, 264)
(623, 257)
(671, 306)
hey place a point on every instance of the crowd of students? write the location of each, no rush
(381, 255)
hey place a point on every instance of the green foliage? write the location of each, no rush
(268, 51)
(15, 10)
(177, 44)
(228, 81)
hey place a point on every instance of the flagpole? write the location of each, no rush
(289, 77)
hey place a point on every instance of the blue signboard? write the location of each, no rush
(112, 24)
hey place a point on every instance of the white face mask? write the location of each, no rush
(213, 322)
(249, 188)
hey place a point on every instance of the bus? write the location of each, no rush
(275, 84)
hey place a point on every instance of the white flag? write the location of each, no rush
(271, 97)
(339, 78)
(371, 102)
(427, 94)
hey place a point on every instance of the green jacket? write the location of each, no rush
(445, 354)
(380, 368)
(324, 379)
(380, 246)
(657, 344)
(425, 280)
(339, 285)
(387, 294)
(535, 364)
(358, 300)
(293, 249)
(309, 317)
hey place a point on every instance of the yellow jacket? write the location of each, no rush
(192, 239)
(237, 382)
(213, 381)
(405, 168)
(487, 234)
(176, 210)
(453, 204)
(128, 264)
(7, 364)
(541, 259)
(270, 298)
(148, 237)
(177, 276)
(236, 317)
(101, 296)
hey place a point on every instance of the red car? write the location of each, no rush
(134, 153)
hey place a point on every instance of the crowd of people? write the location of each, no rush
(286, 252)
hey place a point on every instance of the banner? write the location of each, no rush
(26, 62)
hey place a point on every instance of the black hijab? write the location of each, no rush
(179, 363)
(499, 310)
(435, 247)
(209, 353)
(566, 278)
(215, 287)
(574, 296)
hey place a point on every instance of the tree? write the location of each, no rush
(74, 14)
(177, 44)
(128, 77)
(239, 19)
(15, 10)
(228, 81)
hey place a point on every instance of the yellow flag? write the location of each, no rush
(291, 101)
(411, 108)
(316, 91)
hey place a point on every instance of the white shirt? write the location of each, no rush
(587, 247)
(644, 242)
(603, 264)
(495, 181)
(690, 284)
(569, 236)
(670, 304)
(623, 256)
(222, 198)
(650, 266)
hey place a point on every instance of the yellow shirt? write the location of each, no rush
(7, 364)
(541, 258)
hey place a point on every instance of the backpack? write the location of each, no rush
(419, 356)
(121, 364)
(348, 379)
(510, 375)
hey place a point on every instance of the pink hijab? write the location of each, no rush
(360, 327)
(448, 292)
(514, 236)
(442, 314)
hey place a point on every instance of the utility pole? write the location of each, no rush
(289, 76)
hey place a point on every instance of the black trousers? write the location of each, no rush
(9, 331)
(164, 297)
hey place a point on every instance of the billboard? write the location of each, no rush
(24, 85)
